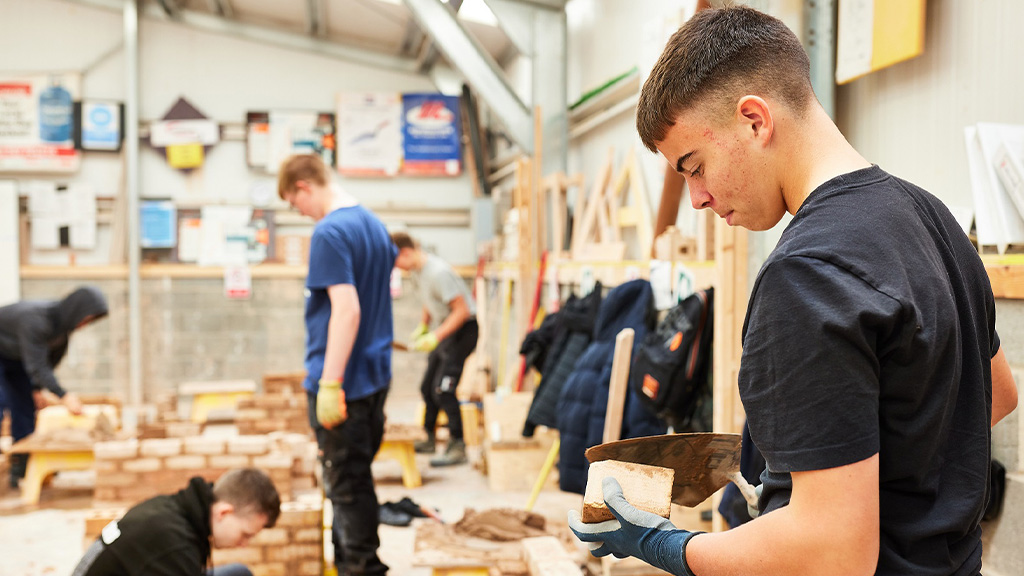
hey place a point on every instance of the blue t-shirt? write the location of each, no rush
(351, 246)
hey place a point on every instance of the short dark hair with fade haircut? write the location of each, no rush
(403, 240)
(249, 490)
(717, 57)
(300, 167)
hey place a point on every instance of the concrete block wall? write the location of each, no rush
(191, 332)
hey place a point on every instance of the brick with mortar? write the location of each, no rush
(186, 462)
(249, 555)
(142, 465)
(648, 488)
(252, 445)
(160, 447)
(273, 461)
(230, 461)
(116, 450)
(206, 445)
(270, 537)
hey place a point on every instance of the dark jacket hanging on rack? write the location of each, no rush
(573, 329)
(584, 397)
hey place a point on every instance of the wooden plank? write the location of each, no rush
(1007, 281)
(618, 386)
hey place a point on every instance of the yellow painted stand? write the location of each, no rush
(205, 403)
(461, 571)
(402, 450)
(470, 412)
(43, 462)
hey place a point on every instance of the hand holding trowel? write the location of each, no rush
(703, 462)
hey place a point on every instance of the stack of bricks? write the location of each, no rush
(129, 471)
(281, 407)
(294, 546)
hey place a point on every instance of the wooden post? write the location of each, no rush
(730, 311)
(618, 386)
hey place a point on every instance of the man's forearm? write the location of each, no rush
(341, 336)
(451, 324)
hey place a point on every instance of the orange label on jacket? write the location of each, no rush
(650, 386)
(676, 341)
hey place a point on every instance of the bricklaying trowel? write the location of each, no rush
(703, 462)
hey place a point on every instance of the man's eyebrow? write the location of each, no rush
(682, 159)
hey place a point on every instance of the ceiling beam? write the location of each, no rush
(170, 7)
(316, 18)
(271, 36)
(221, 8)
(429, 54)
(486, 78)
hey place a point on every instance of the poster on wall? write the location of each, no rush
(369, 133)
(100, 126)
(37, 123)
(297, 132)
(158, 221)
(431, 135)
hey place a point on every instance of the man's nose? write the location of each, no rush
(699, 196)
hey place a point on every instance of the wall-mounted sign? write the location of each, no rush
(37, 128)
(431, 135)
(369, 133)
(100, 126)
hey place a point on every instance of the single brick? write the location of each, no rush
(309, 569)
(186, 462)
(274, 461)
(142, 465)
(183, 429)
(116, 450)
(249, 555)
(105, 466)
(308, 535)
(269, 569)
(293, 552)
(557, 567)
(252, 445)
(227, 461)
(117, 480)
(160, 447)
(648, 488)
(300, 514)
(205, 445)
(270, 537)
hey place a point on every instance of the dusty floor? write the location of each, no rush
(46, 540)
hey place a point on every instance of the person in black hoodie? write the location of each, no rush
(172, 535)
(33, 339)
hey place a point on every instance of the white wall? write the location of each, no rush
(223, 77)
(909, 119)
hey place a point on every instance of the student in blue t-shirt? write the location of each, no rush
(348, 350)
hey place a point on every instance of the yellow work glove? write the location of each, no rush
(331, 409)
(419, 331)
(425, 343)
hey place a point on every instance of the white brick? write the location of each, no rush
(116, 450)
(248, 445)
(142, 465)
(205, 445)
(273, 461)
(160, 447)
(186, 462)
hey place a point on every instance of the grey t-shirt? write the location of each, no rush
(438, 284)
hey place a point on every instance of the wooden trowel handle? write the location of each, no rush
(745, 488)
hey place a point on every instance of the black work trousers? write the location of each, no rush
(347, 453)
(444, 369)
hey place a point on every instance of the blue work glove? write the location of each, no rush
(634, 532)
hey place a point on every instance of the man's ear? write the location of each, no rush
(756, 117)
(221, 509)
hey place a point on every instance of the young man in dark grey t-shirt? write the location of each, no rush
(450, 306)
(871, 369)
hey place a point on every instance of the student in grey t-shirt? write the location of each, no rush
(449, 307)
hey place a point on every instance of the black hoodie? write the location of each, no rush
(36, 332)
(163, 536)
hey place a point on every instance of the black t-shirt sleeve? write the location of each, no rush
(809, 375)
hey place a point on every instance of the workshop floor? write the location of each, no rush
(46, 540)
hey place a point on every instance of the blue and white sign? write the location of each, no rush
(101, 126)
(158, 221)
(431, 135)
